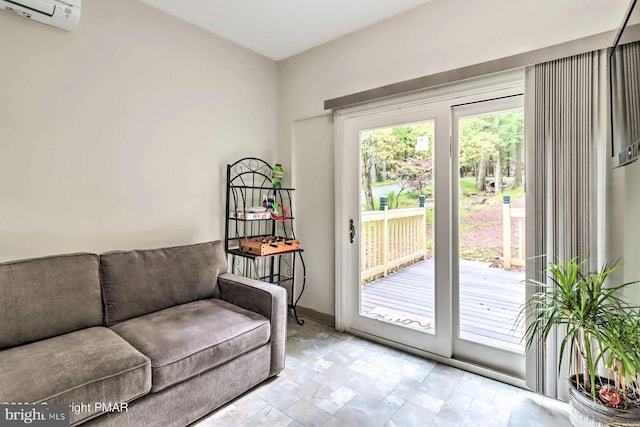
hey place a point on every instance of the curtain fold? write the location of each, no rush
(566, 124)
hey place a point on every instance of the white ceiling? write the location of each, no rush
(281, 28)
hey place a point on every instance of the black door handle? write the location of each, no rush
(352, 231)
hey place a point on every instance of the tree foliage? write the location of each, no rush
(491, 145)
(391, 154)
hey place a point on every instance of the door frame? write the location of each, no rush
(506, 83)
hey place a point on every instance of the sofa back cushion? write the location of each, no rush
(140, 282)
(45, 297)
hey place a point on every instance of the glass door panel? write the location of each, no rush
(489, 264)
(396, 225)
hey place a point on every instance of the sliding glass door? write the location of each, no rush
(430, 222)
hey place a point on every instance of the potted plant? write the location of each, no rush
(601, 333)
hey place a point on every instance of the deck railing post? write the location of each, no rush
(385, 240)
(506, 231)
(423, 226)
(384, 202)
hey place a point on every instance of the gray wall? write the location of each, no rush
(439, 36)
(116, 135)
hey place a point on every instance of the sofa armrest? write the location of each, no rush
(266, 299)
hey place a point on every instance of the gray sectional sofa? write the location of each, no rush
(166, 331)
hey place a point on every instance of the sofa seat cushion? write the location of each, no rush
(188, 339)
(87, 366)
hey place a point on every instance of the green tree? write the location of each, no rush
(367, 151)
(394, 151)
(492, 141)
(478, 145)
(511, 133)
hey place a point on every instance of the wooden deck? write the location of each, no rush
(490, 299)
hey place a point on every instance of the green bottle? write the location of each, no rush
(276, 176)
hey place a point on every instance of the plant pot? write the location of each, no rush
(584, 412)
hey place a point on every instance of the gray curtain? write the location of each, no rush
(567, 140)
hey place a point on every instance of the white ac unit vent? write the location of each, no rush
(63, 14)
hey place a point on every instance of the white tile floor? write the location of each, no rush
(334, 379)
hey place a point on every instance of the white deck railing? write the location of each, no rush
(391, 239)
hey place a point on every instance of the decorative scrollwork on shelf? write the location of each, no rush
(250, 190)
(251, 171)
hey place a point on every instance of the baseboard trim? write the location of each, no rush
(324, 318)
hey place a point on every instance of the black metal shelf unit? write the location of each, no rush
(249, 186)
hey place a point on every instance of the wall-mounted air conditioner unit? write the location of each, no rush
(63, 14)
